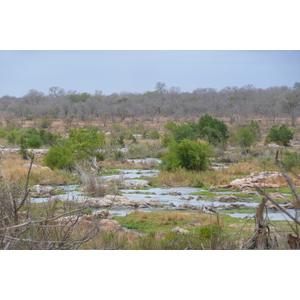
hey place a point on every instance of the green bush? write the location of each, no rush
(2, 133)
(185, 131)
(13, 136)
(118, 155)
(213, 130)
(247, 135)
(191, 155)
(81, 144)
(291, 160)
(23, 148)
(154, 135)
(49, 138)
(280, 135)
(166, 140)
(34, 141)
(85, 142)
(60, 157)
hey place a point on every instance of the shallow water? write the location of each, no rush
(160, 194)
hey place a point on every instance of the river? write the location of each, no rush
(164, 195)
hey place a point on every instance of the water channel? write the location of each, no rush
(163, 195)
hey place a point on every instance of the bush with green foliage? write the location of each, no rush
(212, 130)
(60, 157)
(166, 140)
(81, 144)
(280, 135)
(13, 136)
(154, 135)
(185, 131)
(118, 155)
(48, 138)
(45, 122)
(247, 135)
(2, 133)
(85, 142)
(23, 148)
(170, 126)
(291, 160)
(191, 155)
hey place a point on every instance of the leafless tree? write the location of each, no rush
(291, 105)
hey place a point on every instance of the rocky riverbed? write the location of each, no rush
(137, 194)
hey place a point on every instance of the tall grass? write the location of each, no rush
(16, 170)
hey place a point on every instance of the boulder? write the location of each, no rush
(107, 225)
(42, 191)
(260, 179)
(225, 198)
(276, 195)
(175, 193)
(288, 205)
(179, 230)
(186, 206)
(233, 226)
(139, 185)
(233, 206)
(96, 203)
(104, 214)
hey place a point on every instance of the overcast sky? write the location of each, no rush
(139, 71)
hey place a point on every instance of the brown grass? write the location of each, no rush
(15, 171)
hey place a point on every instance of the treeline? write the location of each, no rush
(231, 102)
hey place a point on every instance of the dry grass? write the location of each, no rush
(16, 171)
(182, 177)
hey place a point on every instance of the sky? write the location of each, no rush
(138, 71)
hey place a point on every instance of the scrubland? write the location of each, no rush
(144, 230)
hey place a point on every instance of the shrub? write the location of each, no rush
(60, 157)
(291, 160)
(86, 142)
(154, 135)
(185, 131)
(280, 135)
(191, 155)
(166, 140)
(247, 135)
(118, 155)
(34, 141)
(213, 130)
(81, 144)
(45, 122)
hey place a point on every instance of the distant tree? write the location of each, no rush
(161, 87)
(280, 135)
(74, 98)
(55, 91)
(291, 104)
